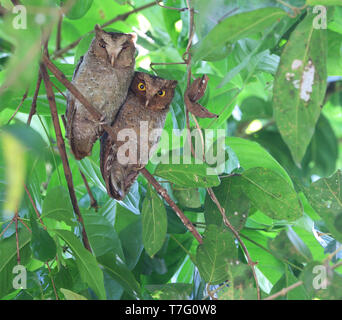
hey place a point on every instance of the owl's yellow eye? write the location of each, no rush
(141, 86)
(161, 93)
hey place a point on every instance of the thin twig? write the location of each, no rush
(121, 17)
(34, 206)
(17, 235)
(34, 100)
(163, 193)
(62, 151)
(3, 10)
(53, 283)
(20, 104)
(3, 231)
(24, 224)
(284, 291)
(237, 236)
(59, 90)
(59, 32)
(16, 2)
(93, 202)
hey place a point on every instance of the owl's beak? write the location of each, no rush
(112, 60)
(147, 102)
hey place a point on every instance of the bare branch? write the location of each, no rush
(20, 104)
(93, 202)
(62, 151)
(34, 100)
(121, 17)
(162, 192)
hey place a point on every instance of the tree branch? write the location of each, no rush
(62, 151)
(121, 17)
(20, 104)
(93, 202)
(163, 193)
(34, 100)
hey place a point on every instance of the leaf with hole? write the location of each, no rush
(300, 85)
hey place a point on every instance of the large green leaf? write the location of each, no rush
(252, 154)
(215, 254)
(235, 27)
(154, 222)
(79, 9)
(117, 270)
(300, 85)
(231, 197)
(271, 194)
(42, 245)
(187, 175)
(57, 206)
(325, 196)
(88, 268)
(102, 235)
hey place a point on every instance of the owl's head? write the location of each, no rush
(155, 93)
(118, 49)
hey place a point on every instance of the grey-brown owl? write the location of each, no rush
(145, 108)
(103, 75)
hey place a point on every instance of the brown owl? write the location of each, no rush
(103, 75)
(144, 110)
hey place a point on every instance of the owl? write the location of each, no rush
(139, 119)
(103, 75)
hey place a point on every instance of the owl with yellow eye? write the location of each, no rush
(147, 103)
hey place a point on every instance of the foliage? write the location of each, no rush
(275, 82)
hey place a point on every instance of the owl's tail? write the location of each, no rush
(117, 183)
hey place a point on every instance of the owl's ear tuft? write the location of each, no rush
(98, 30)
(134, 37)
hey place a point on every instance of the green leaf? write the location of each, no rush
(69, 295)
(86, 263)
(154, 222)
(271, 193)
(325, 197)
(256, 243)
(231, 197)
(117, 270)
(252, 154)
(42, 245)
(215, 254)
(287, 245)
(241, 283)
(187, 175)
(14, 155)
(79, 9)
(301, 79)
(255, 107)
(57, 206)
(321, 281)
(285, 281)
(102, 235)
(240, 26)
(167, 261)
(188, 198)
